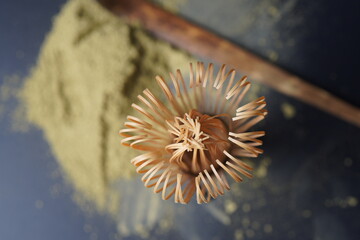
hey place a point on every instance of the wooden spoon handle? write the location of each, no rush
(203, 43)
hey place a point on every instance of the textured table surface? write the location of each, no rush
(312, 183)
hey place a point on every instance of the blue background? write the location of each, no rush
(308, 151)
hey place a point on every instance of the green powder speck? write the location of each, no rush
(288, 110)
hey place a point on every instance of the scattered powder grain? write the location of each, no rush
(245, 222)
(90, 69)
(250, 233)
(230, 206)
(268, 228)
(306, 213)
(239, 234)
(255, 225)
(262, 169)
(8, 92)
(288, 110)
(9, 87)
(246, 207)
(349, 201)
(273, 56)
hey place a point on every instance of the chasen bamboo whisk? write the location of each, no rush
(196, 140)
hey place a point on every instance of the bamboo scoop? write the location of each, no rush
(203, 43)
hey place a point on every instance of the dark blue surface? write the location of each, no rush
(35, 203)
(23, 26)
(308, 152)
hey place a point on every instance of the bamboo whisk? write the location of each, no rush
(192, 143)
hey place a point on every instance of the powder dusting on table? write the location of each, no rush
(288, 110)
(91, 67)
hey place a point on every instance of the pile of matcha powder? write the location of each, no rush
(91, 67)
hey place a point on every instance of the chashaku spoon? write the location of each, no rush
(203, 43)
